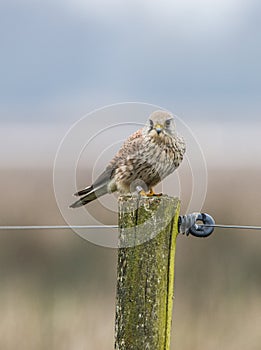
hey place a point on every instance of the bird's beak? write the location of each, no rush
(158, 128)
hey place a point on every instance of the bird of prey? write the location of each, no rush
(146, 158)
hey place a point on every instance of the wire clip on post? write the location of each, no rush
(188, 224)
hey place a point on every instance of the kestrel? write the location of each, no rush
(146, 158)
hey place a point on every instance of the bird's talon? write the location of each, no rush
(153, 194)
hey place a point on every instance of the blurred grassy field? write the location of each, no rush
(57, 290)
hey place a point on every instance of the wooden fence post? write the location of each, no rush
(145, 277)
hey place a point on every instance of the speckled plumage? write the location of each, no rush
(146, 158)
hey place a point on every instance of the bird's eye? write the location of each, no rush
(167, 123)
(151, 123)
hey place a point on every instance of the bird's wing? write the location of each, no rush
(101, 181)
(104, 178)
(129, 148)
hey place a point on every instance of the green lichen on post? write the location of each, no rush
(148, 231)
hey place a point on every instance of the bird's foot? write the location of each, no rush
(152, 193)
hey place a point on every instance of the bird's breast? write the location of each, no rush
(151, 162)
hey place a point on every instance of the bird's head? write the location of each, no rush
(161, 124)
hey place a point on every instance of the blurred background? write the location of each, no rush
(62, 59)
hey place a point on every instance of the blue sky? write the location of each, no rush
(199, 59)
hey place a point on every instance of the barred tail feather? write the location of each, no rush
(97, 189)
(91, 194)
(84, 191)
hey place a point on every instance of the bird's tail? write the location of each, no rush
(89, 194)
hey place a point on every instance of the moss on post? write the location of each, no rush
(145, 280)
